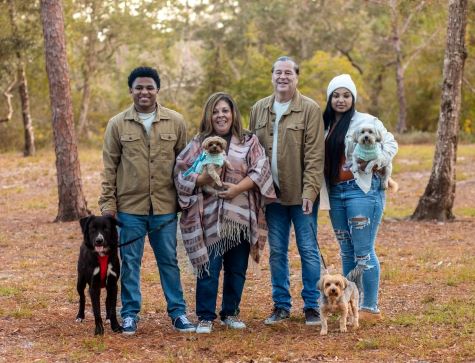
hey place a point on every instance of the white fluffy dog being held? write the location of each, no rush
(367, 152)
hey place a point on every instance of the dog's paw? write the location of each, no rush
(343, 329)
(79, 320)
(99, 330)
(323, 332)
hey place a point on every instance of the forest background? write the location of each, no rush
(393, 50)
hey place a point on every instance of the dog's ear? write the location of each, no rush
(224, 143)
(321, 282)
(345, 283)
(356, 133)
(84, 222)
(379, 136)
(205, 143)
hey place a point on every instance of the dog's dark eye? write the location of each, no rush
(337, 284)
(370, 131)
(327, 284)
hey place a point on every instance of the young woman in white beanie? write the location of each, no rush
(357, 199)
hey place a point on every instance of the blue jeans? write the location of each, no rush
(355, 217)
(163, 243)
(279, 218)
(235, 267)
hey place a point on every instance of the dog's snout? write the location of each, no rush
(99, 239)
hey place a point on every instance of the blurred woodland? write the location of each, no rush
(393, 49)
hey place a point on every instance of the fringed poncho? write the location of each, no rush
(210, 223)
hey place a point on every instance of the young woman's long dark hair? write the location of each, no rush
(335, 143)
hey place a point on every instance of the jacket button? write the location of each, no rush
(130, 137)
(271, 134)
(151, 161)
(151, 177)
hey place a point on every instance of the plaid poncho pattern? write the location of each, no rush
(210, 223)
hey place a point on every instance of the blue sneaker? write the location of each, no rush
(129, 326)
(182, 324)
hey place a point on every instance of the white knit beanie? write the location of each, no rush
(343, 80)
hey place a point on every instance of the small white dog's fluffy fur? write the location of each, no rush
(366, 139)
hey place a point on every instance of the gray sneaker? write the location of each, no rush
(233, 322)
(312, 316)
(277, 316)
(204, 327)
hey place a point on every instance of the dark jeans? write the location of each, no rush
(235, 267)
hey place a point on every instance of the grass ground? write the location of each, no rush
(427, 282)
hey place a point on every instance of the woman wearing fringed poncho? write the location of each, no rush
(223, 230)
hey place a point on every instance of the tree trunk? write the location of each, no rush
(396, 40)
(29, 149)
(401, 95)
(71, 201)
(83, 124)
(8, 98)
(88, 70)
(438, 198)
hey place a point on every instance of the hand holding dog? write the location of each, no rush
(232, 190)
(205, 179)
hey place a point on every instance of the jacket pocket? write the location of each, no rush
(294, 133)
(131, 144)
(166, 146)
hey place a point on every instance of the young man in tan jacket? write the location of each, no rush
(140, 147)
(290, 127)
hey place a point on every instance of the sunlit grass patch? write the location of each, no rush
(36, 204)
(9, 291)
(367, 344)
(96, 344)
(405, 319)
(455, 313)
(21, 312)
(459, 274)
(398, 274)
(464, 211)
(397, 211)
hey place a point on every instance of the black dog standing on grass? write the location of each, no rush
(98, 267)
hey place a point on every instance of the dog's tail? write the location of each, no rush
(393, 186)
(356, 275)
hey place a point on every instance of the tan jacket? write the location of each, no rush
(138, 168)
(301, 145)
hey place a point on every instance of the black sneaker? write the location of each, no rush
(277, 316)
(312, 316)
(182, 324)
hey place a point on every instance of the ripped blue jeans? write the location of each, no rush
(355, 217)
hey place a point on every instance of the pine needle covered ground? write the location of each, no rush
(427, 286)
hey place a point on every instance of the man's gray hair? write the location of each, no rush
(285, 58)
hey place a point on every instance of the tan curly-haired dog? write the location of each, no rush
(339, 295)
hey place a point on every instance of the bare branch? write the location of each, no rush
(346, 53)
(468, 84)
(8, 97)
(409, 18)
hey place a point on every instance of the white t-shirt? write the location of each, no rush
(147, 119)
(279, 109)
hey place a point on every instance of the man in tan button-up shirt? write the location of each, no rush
(290, 127)
(140, 147)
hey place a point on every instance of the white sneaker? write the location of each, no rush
(204, 327)
(233, 322)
